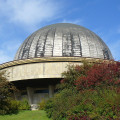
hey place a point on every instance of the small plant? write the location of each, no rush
(24, 105)
(41, 105)
(49, 107)
(14, 106)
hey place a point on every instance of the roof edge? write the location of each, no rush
(49, 59)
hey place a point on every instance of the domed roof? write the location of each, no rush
(63, 39)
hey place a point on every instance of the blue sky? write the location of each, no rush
(19, 18)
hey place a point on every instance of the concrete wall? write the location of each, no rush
(37, 70)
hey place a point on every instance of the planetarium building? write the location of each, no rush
(44, 55)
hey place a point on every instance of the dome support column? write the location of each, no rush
(30, 94)
(51, 91)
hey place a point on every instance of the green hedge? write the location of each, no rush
(94, 105)
(9, 106)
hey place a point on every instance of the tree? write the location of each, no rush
(6, 91)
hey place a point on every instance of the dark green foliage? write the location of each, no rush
(97, 105)
(7, 104)
(24, 105)
(62, 102)
(49, 107)
(41, 105)
(6, 90)
(5, 107)
(12, 106)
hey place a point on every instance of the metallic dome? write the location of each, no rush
(63, 39)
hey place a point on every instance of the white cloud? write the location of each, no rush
(11, 45)
(28, 11)
(4, 57)
(77, 21)
(8, 50)
(25, 14)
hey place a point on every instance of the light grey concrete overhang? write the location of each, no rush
(48, 59)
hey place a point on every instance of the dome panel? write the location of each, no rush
(63, 39)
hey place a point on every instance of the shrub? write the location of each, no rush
(96, 105)
(87, 92)
(72, 73)
(13, 106)
(7, 104)
(41, 105)
(85, 105)
(49, 107)
(58, 106)
(24, 105)
(4, 109)
(6, 90)
(104, 74)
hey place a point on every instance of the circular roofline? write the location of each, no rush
(49, 59)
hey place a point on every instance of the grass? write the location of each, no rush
(26, 115)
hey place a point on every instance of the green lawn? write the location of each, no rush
(26, 115)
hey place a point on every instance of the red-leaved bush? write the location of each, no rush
(99, 75)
